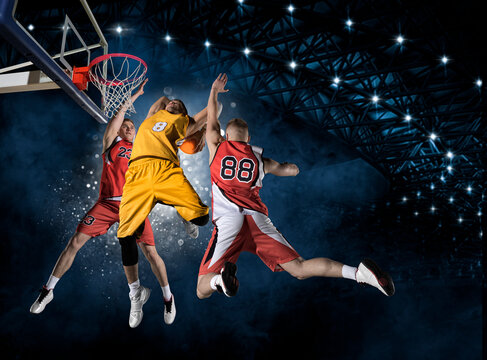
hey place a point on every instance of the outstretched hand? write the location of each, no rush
(220, 83)
(140, 90)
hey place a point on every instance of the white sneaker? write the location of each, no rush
(169, 311)
(369, 273)
(136, 303)
(192, 229)
(44, 298)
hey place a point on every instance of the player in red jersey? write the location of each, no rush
(241, 218)
(117, 147)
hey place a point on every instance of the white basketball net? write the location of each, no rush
(116, 77)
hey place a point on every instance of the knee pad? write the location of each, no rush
(130, 253)
(202, 220)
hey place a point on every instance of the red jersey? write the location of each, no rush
(115, 165)
(237, 170)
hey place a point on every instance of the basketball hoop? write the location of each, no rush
(115, 76)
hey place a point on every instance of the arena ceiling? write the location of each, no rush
(392, 79)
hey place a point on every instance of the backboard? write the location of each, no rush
(52, 70)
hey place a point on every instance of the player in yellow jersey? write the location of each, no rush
(154, 176)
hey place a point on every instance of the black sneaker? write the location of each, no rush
(230, 283)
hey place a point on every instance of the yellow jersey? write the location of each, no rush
(159, 136)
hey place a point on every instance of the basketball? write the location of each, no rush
(189, 146)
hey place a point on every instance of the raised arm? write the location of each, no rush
(116, 121)
(195, 142)
(197, 122)
(158, 105)
(280, 169)
(213, 136)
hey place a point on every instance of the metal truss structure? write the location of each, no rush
(379, 75)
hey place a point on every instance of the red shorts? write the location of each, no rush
(104, 214)
(255, 233)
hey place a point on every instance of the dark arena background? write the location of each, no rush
(380, 103)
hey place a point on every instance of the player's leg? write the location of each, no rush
(158, 267)
(303, 269)
(224, 282)
(147, 245)
(175, 190)
(204, 288)
(63, 264)
(138, 294)
(137, 202)
(96, 222)
(278, 254)
(367, 272)
(217, 270)
(67, 256)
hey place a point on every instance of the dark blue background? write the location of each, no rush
(50, 154)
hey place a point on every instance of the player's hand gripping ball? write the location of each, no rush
(194, 143)
(189, 146)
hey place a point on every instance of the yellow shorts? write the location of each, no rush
(152, 181)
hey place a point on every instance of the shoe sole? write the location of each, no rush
(228, 274)
(383, 278)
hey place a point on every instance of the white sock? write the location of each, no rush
(215, 280)
(348, 272)
(134, 287)
(166, 292)
(51, 283)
